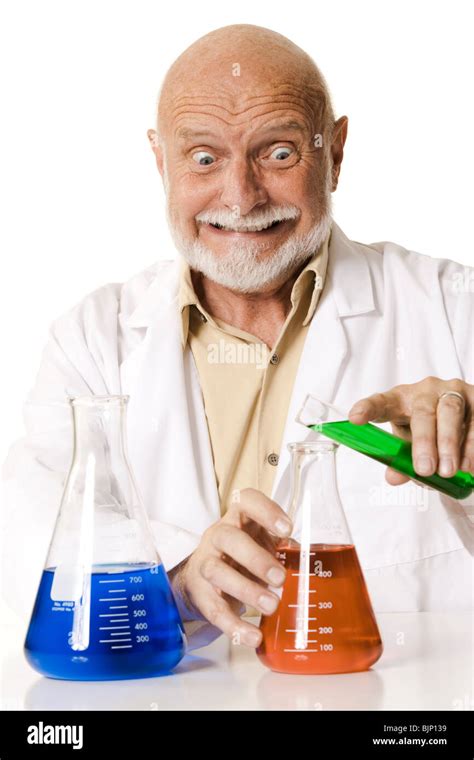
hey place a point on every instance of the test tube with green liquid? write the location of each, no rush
(378, 444)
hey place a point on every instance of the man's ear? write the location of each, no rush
(339, 136)
(156, 148)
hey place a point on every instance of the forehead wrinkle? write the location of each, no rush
(188, 130)
(228, 117)
(214, 111)
(294, 94)
(185, 132)
(232, 108)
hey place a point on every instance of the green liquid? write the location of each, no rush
(394, 452)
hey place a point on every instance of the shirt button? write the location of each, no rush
(274, 359)
(273, 459)
(203, 318)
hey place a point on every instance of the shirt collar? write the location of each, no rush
(317, 267)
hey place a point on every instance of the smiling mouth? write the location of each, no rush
(250, 228)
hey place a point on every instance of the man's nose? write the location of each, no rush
(242, 187)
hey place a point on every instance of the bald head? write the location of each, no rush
(234, 65)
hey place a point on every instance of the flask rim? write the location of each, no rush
(313, 447)
(98, 400)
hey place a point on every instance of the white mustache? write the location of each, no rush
(228, 219)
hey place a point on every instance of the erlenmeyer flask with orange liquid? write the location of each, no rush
(324, 622)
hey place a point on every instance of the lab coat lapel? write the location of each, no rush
(168, 439)
(347, 292)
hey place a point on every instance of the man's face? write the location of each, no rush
(252, 189)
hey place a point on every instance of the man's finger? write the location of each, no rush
(238, 545)
(450, 433)
(380, 407)
(395, 478)
(467, 450)
(256, 506)
(423, 432)
(219, 613)
(225, 578)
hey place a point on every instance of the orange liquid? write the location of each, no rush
(324, 622)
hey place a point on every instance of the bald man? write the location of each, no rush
(249, 151)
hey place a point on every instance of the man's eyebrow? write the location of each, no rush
(183, 133)
(285, 125)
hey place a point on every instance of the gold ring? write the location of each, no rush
(453, 393)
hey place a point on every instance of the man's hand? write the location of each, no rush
(233, 564)
(441, 429)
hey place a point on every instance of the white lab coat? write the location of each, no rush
(386, 316)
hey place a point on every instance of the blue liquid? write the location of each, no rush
(128, 627)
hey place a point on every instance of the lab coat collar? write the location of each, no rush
(350, 276)
(350, 280)
(158, 297)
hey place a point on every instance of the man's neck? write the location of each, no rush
(262, 314)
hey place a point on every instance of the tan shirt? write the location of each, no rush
(247, 387)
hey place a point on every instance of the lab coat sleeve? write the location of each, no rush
(36, 466)
(73, 363)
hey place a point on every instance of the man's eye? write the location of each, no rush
(281, 153)
(203, 158)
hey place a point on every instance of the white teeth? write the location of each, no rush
(254, 228)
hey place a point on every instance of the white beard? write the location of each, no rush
(241, 269)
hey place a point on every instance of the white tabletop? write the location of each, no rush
(427, 664)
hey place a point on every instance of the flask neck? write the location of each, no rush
(101, 519)
(100, 429)
(315, 506)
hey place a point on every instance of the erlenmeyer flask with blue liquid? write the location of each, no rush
(104, 608)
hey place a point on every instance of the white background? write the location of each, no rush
(81, 199)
